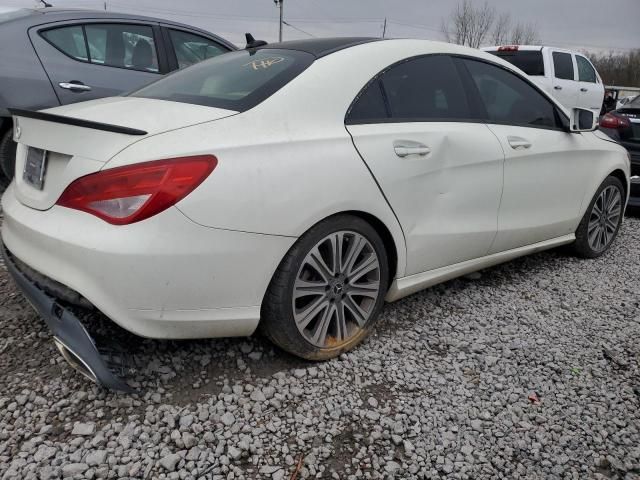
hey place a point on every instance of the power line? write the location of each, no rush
(298, 29)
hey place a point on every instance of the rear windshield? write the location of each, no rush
(529, 61)
(234, 81)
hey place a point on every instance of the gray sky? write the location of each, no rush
(597, 25)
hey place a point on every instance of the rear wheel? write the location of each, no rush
(602, 220)
(328, 291)
(8, 154)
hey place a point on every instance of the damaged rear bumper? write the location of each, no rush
(70, 336)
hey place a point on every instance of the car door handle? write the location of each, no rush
(73, 86)
(518, 143)
(404, 148)
(584, 89)
(558, 87)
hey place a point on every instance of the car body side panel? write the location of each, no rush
(23, 81)
(104, 81)
(447, 200)
(548, 186)
(274, 184)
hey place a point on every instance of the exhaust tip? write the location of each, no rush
(75, 361)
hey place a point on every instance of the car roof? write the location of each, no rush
(320, 47)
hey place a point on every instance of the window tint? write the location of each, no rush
(69, 40)
(563, 65)
(121, 45)
(529, 61)
(369, 106)
(235, 81)
(190, 48)
(424, 88)
(586, 73)
(508, 98)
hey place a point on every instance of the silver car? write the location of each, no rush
(54, 56)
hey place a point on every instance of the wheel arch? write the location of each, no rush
(387, 238)
(620, 175)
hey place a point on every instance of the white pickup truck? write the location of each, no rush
(568, 76)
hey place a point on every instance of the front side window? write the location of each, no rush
(563, 65)
(509, 99)
(586, 72)
(69, 40)
(122, 45)
(190, 48)
(235, 81)
(420, 89)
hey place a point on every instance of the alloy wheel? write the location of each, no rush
(336, 289)
(605, 218)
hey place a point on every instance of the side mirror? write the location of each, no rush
(583, 120)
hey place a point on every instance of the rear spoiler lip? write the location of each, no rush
(77, 122)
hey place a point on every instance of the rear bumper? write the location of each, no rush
(69, 333)
(166, 277)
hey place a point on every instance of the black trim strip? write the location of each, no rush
(76, 122)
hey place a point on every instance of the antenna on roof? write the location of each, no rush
(46, 4)
(252, 42)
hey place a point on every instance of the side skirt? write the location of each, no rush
(401, 287)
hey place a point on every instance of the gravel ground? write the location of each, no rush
(527, 370)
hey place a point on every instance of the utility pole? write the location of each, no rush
(279, 3)
(105, 6)
(384, 29)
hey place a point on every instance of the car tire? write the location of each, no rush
(601, 222)
(343, 317)
(8, 155)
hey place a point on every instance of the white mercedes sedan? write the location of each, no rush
(295, 187)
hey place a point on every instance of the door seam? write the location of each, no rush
(504, 160)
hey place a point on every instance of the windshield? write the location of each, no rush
(8, 13)
(529, 61)
(234, 81)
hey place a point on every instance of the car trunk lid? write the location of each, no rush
(79, 139)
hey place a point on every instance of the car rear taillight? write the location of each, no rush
(132, 193)
(613, 121)
(508, 48)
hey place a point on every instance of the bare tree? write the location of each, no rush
(468, 25)
(471, 26)
(618, 68)
(524, 34)
(502, 30)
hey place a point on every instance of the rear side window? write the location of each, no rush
(113, 45)
(122, 45)
(69, 40)
(509, 99)
(586, 73)
(563, 66)
(419, 89)
(235, 81)
(370, 105)
(190, 48)
(529, 61)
